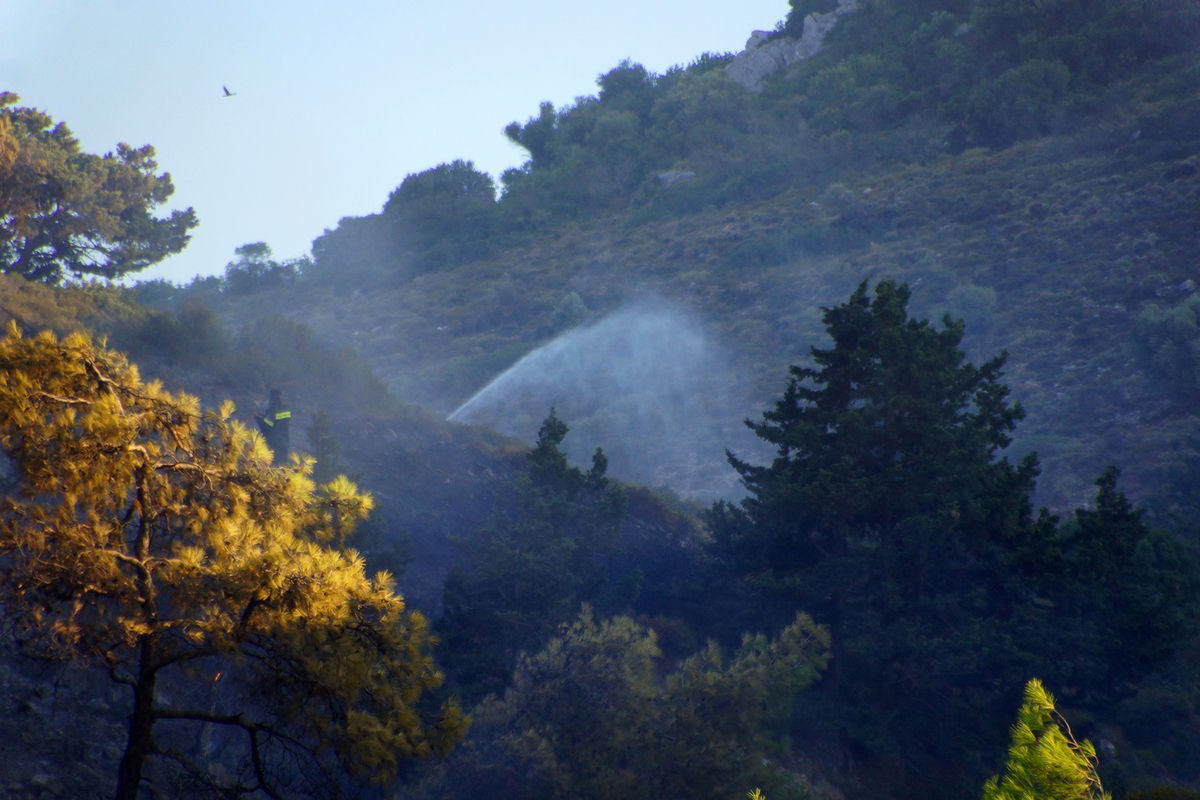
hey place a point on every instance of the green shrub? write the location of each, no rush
(590, 718)
(192, 335)
(360, 251)
(255, 270)
(1020, 103)
(974, 305)
(569, 312)
(158, 294)
(628, 87)
(442, 215)
(1098, 40)
(1167, 343)
(697, 112)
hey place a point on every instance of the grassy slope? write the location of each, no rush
(1074, 234)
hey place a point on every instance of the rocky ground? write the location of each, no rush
(62, 731)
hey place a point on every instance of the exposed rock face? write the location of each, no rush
(761, 58)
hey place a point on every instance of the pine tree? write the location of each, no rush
(591, 717)
(1045, 762)
(889, 515)
(67, 212)
(154, 541)
(541, 554)
(886, 488)
(1141, 581)
(892, 425)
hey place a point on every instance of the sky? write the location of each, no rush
(334, 102)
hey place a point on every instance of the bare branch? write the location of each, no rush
(70, 401)
(235, 720)
(253, 729)
(112, 673)
(203, 776)
(256, 758)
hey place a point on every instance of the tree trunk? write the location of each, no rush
(141, 730)
(832, 679)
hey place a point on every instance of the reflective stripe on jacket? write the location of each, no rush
(273, 418)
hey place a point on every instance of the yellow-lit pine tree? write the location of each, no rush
(148, 535)
(1044, 761)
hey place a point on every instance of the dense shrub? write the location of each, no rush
(895, 82)
(1020, 103)
(158, 294)
(1002, 69)
(1167, 342)
(442, 215)
(435, 219)
(589, 717)
(1098, 40)
(359, 251)
(255, 270)
(568, 312)
(272, 351)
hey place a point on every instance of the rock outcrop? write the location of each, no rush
(763, 58)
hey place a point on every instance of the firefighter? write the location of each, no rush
(275, 424)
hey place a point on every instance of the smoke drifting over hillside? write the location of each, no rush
(646, 384)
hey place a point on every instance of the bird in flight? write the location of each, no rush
(229, 93)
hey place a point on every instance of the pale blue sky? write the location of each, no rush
(336, 102)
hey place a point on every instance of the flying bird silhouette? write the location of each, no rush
(229, 93)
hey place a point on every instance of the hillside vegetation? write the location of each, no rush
(952, 257)
(1052, 249)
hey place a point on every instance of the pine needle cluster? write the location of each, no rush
(150, 537)
(1045, 762)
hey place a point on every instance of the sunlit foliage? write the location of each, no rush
(149, 535)
(1045, 762)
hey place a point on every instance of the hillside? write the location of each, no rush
(1033, 174)
(1049, 249)
(433, 482)
(672, 245)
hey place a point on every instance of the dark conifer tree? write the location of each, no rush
(543, 553)
(891, 516)
(1138, 581)
(886, 483)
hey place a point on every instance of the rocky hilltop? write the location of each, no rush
(767, 54)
